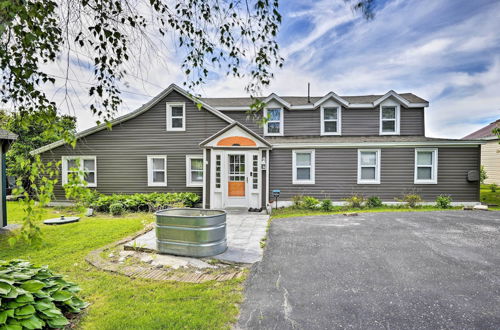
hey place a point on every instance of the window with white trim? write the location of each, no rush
(218, 171)
(255, 172)
(176, 116)
(157, 171)
(426, 163)
(86, 165)
(274, 124)
(389, 119)
(194, 171)
(303, 164)
(330, 120)
(369, 166)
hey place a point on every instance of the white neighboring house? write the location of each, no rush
(490, 151)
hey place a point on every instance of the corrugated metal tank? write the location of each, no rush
(191, 232)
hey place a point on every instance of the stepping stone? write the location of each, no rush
(61, 220)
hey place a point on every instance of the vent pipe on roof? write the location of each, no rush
(308, 92)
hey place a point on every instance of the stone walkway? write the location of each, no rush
(244, 233)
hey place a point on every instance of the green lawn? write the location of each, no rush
(118, 302)
(490, 197)
(487, 197)
(293, 212)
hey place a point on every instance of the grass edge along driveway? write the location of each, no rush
(119, 302)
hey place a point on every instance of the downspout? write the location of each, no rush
(4, 187)
(204, 178)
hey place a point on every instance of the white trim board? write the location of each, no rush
(297, 145)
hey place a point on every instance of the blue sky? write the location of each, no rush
(446, 51)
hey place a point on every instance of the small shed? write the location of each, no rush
(6, 139)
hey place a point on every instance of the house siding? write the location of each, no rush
(355, 122)
(490, 159)
(336, 174)
(122, 152)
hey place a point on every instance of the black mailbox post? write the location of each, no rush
(276, 194)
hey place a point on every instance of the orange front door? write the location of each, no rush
(236, 180)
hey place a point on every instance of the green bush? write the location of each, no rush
(326, 205)
(310, 202)
(482, 174)
(355, 201)
(373, 201)
(298, 201)
(411, 200)
(34, 297)
(116, 209)
(493, 187)
(143, 202)
(443, 201)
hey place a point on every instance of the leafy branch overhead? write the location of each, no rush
(236, 37)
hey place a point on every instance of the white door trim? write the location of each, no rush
(219, 196)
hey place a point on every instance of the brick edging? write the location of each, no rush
(94, 258)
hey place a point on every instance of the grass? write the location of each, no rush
(490, 197)
(118, 302)
(294, 212)
(487, 197)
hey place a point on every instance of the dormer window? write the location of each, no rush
(274, 124)
(176, 117)
(389, 120)
(330, 121)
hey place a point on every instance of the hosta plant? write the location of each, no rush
(33, 297)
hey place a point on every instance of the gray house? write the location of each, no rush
(327, 147)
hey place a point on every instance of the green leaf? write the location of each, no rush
(32, 285)
(33, 323)
(5, 288)
(25, 310)
(61, 295)
(11, 327)
(53, 312)
(57, 322)
(25, 298)
(4, 315)
(44, 304)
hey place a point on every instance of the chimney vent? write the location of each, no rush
(308, 92)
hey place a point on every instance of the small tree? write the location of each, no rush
(482, 174)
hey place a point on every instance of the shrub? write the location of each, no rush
(374, 201)
(355, 201)
(116, 209)
(493, 187)
(34, 297)
(482, 174)
(411, 199)
(443, 201)
(144, 202)
(310, 202)
(326, 205)
(298, 201)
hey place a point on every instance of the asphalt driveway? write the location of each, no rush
(404, 270)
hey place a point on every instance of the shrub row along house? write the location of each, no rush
(327, 147)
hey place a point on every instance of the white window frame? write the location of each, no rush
(397, 119)
(377, 167)
(189, 181)
(338, 120)
(64, 160)
(312, 166)
(282, 120)
(434, 171)
(150, 171)
(169, 116)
